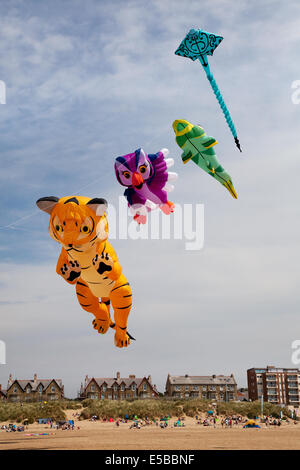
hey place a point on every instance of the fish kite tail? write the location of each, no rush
(224, 109)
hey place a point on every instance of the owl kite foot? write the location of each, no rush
(140, 219)
(122, 339)
(168, 207)
(101, 325)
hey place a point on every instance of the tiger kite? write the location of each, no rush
(88, 261)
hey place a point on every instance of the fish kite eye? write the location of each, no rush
(59, 228)
(126, 174)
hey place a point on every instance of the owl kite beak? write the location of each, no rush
(137, 179)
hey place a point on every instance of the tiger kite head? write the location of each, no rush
(76, 222)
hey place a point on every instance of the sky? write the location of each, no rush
(89, 81)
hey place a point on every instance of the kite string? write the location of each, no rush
(32, 214)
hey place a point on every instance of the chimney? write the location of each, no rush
(35, 379)
(132, 376)
(10, 380)
(149, 379)
(118, 375)
(86, 380)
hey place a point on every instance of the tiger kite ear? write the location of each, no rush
(98, 205)
(47, 203)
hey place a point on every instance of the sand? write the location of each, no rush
(107, 436)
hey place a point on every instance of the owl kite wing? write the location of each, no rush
(161, 177)
(133, 198)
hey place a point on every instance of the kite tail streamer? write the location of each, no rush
(224, 108)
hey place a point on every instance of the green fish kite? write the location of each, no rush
(198, 146)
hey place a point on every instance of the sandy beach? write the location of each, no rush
(107, 436)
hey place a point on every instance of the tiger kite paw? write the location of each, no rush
(122, 339)
(101, 325)
(71, 271)
(103, 263)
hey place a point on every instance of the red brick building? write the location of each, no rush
(276, 385)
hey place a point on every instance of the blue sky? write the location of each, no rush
(88, 81)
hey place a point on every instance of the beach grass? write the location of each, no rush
(155, 408)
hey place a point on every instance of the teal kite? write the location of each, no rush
(198, 44)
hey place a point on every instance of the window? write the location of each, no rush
(204, 388)
(187, 388)
(145, 387)
(52, 389)
(92, 387)
(133, 387)
(177, 388)
(122, 387)
(115, 387)
(28, 390)
(104, 387)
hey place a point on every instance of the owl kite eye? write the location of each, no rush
(85, 229)
(59, 228)
(126, 174)
(143, 168)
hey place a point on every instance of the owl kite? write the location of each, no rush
(147, 180)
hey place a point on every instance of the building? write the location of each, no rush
(2, 394)
(276, 385)
(34, 390)
(206, 387)
(242, 394)
(118, 388)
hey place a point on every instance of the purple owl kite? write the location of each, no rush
(147, 180)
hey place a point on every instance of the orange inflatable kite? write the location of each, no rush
(88, 261)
